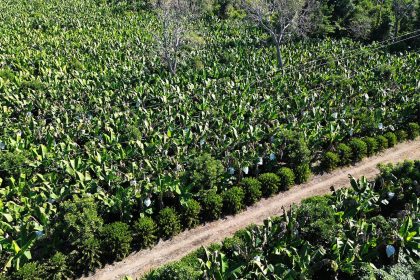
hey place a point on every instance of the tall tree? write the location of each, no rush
(282, 19)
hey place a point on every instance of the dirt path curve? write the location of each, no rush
(137, 264)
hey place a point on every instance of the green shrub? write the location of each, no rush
(191, 213)
(116, 240)
(211, 205)
(231, 244)
(77, 228)
(372, 145)
(175, 271)
(316, 219)
(413, 130)
(270, 183)
(296, 151)
(168, 222)
(252, 189)
(330, 161)
(30, 271)
(233, 200)
(392, 138)
(358, 148)
(302, 173)
(145, 230)
(402, 135)
(382, 143)
(205, 172)
(57, 267)
(287, 178)
(344, 152)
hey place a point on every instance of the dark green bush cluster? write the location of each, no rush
(211, 205)
(287, 178)
(270, 183)
(372, 145)
(392, 139)
(345, 153)
(168, 222)
(233, 200)
(358, 148)
(382, 143)
(117, 238)
(330, 161)
(145, 232)
(302, 173)
(413, 130)
(252, 189)
(205, 172)
(191, 213)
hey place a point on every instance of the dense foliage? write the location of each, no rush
(95, 131)
(368, 231)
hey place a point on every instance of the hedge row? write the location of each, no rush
(358, 148)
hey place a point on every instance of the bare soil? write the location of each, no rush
(139, 263)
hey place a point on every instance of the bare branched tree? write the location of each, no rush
(174, 16)
(282, 19)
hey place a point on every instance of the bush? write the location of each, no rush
(372, 145)
(77, 227)
(402, 135)
(330, 161)
(302, 173)
(205, 172)
(233, 200)
(116, 240)
(392, 139)
(30, 271)
(317, 221)
(270, 183)
(168, 222)
(145, 230)
(344, 152)
(287, 178)
(231, 244)
(358, 148)
(211, 205)
(175, 271)
(57, 267)
(191, 213)
(252, 189)
(413, 130)
(296, 151)
(382, 143)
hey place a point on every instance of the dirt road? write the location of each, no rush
(137, 264)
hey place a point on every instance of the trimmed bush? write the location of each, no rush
(402, 135)
(145, 230)
(116, 241)
(191, 213)
(372, 145)
(252, 188)
(296, 151)
(270, 183)
(57, 267)
(413, 130)
(302, 173)
(30, 271)
(287, 178)
(330, 161)
(211, 205)
(358, 148)
(382, 143)
(233, 200)
(168, 222)
(205, 172)
(392, 138)
(344, 152)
